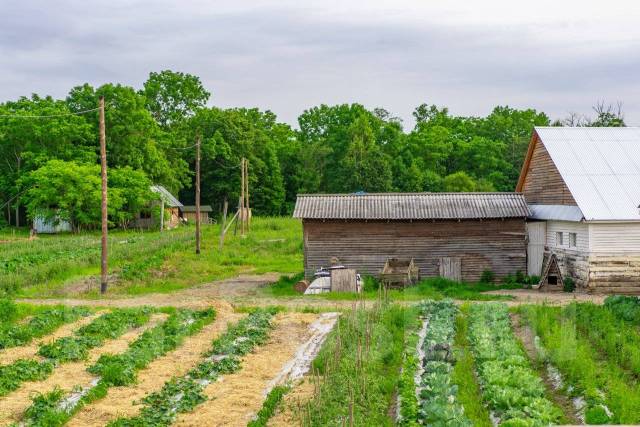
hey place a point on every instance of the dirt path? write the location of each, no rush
(206, 295)
(29, 351)
(236, 398)
(526, 336)
(67, 375)
(120, 401)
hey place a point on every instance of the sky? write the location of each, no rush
(558, 56)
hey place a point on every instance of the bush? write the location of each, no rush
(487, 276)
(8, 310)
(596, 415)
(569, 285)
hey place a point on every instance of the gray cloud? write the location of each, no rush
(290, 57)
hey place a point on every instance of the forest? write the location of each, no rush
(50, 150)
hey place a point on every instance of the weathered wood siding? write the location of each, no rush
(496, 245)
(543, 184)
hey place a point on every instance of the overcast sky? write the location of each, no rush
(287, 55)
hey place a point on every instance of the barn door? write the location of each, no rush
(451, 268)
(537, 236)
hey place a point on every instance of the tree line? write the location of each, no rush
(49, 150)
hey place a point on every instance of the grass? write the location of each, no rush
(149, 261)
(597, 379)
(357, 370)
(464, 375)
(436, 288)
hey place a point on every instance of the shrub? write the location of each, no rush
(596, 415)
(569, 285)
(8, 310)
(487, 276)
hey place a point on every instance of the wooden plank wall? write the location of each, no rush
(543, 184)
(497, 245)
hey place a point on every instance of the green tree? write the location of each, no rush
(459, 182)
(134, 138)
(41, 129)
(366, 167)
(173, 97)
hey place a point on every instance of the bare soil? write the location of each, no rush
(124, 401)
(29, 351)
(67, 375)
(526, 336)
(236, 398)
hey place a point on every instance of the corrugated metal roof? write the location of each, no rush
(601, 167)
(409, 206)
(556, 212)
(191, 208)
(168, 198)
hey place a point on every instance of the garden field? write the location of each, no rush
(432, 362)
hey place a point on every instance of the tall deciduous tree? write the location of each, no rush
(173, 97)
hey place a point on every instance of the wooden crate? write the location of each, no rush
(399, 273)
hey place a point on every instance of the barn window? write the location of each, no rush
(573, 240)
(559, 238)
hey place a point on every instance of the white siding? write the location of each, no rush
(566, 227)
(623, 237)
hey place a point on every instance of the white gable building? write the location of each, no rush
(582, 185)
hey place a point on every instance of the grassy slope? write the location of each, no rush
(150, 261)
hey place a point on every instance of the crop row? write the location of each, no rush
(624, 307)
(510, 386)
(108, 326)
(183, 394)
(438, 393)
(13, 335)
(603, 383)
(55, 408)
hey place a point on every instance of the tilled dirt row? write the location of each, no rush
(67, 375)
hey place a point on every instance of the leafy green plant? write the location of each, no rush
(108, 326)
(510, 386)
(8, 311)
(568, 284)
(13, 375)
(439, 405)
(487, 276)
(39, 325)
(624, 307)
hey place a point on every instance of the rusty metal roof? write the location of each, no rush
(411, 206)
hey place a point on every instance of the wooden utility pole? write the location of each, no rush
(198, 196)
(224, 222)
(246, 190)
(103, 173)
(242, 210)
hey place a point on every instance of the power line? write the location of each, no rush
(21, 116)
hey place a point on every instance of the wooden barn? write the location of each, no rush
(456, 235)
(583, 188)
(189, 213)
